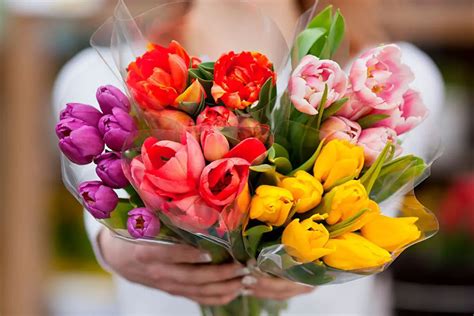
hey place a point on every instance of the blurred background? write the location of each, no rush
(46, 263)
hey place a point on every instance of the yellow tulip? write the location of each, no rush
(306, 190)
(271, 205)
(306, 240)
(391, 233)
(355, 252)
(338, 160)
(346, 200)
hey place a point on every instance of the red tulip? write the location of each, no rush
(217, 116)
(238, 78)
(158, 78)
(223, 180)
(250, 149)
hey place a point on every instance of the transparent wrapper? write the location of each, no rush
(228, 233)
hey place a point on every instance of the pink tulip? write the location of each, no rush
(407, 116)
(379, 79)
(214, 144)
(173, 168)
(192, 212)
(217, 116)
(222, 181)
(338, 127)
(374, 139)
(308, 81)
(353, 109)
(144, 187)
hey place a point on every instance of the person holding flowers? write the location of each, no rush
(218, 168)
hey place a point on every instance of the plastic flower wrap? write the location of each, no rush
(259, 154)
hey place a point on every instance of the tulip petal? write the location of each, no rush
(249, 149)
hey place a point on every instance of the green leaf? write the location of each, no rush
(188, 107)
(346, 225)
(194, 73)
(283, 165)
(267, 98)
(333, 108)
(263, 168)
(323, 19)
(369, 120)
(369, 177)
(209, 66)
(118, 218)
(324, 99)
(306, 39)
(280, 151)
(310, 162)
(252, 237)
(336, 33)
(278, 156)
(312, 273)
(396, 174)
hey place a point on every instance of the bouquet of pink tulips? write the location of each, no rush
(210, 153)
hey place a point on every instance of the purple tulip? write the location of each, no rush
(109, 170)
(99, 200)
(116, 129)
(83, 112)
(143, 223)
(79, 141)
(110, 97)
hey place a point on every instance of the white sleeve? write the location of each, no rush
(78, 81)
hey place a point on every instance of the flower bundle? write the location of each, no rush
(293, 180)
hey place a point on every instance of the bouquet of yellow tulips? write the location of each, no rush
(275, 158)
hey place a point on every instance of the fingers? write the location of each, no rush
(274, 288)
(198, 274)
(178, 253)
(227, 288)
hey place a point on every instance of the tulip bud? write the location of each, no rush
(110, 97)
(271, 205)
(191, 98)
(391, 233)
(338, 160)
(338, 127)
(306, 190)
(214, 144)
(374, 139)
(116, 129)
(169, 119)
(249, 127)
(345, 201)
(143, 223)
(79, 141)
(306, 240)
(98, 199)
(217, 116)
(109, 170)
(86, 113)
(355, 252)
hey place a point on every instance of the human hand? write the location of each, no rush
(179, 270)
(267, 287)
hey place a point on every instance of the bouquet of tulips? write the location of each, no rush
(288, 170)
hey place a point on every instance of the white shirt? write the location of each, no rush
(78, 81)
